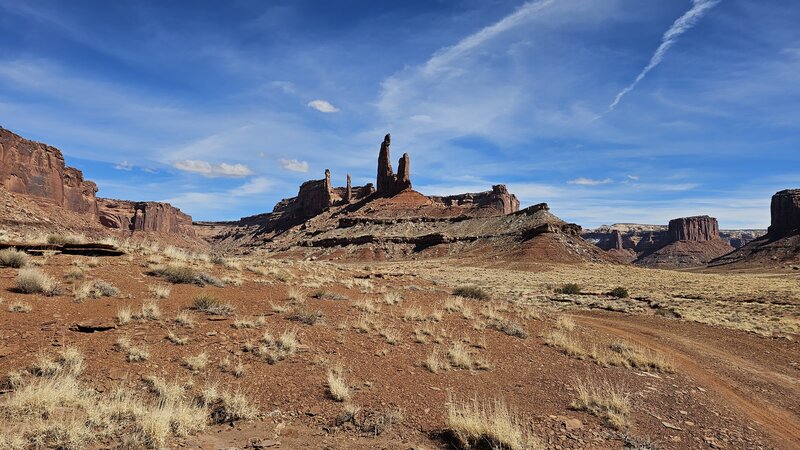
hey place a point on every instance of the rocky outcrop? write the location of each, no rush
(498, 201)
(38, 170)
(785, 213)
(144, 216)
(348, 196)
(389, 183)
(314, 197)
(696, 228)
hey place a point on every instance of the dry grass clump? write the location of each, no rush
(236, 369)
(20, 307)
(414, 313)
(34, 281)
(177, 340)
(306, 316)
(435, 362)
(460, 357)
(337, 385)
(196, 363)
(74, 273)
(642, 358)
(159, 291)
(568, 343)
(95, 289)
(565, 323)
(488, 424)
(149, 311)
(366, 305)
(184, 319)
(392, 298)
(70, 362)
(322, 294)
(124, 315)
(510, 328)
(392, 335)
(134, 354)
(275, 349)
(473, 292)
(226, 407)
(604, 400)
(10, 257)
(65, 239)
(241, 324)
(211, 305)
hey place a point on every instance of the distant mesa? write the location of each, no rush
(780, 246)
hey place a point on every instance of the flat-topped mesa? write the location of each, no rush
(144, 216)
(388, 183)
(38, 170)
(696, 228)
(785, 212)
(498, 201)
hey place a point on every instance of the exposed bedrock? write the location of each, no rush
(38, 170)
(144, 216)
(389, 183)
(696, 228)
(785, 212)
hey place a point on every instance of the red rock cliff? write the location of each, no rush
(785, 212)
(38, 170)
(389, 183)
(144, 216)
(697, 228)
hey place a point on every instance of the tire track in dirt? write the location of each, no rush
(782, 425)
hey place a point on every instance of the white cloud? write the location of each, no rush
(323, 106)
(213, 170)
(590, 181)
(124, 165)
(257, 185)
(294, 165)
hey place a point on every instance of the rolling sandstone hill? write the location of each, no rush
(365, 317)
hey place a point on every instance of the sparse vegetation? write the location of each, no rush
(65, 239)
(337, 385)
(20, 307)
(159, 291)
(511, 328)
(569, 288)
(489, 424)
(95, 289)
(435, 363)
(177, 340)
(604, 400)
(473, 292)
(10, 257)
(176, 274)
(306, 316)
(211, 305)
(196, 363)
(124, 316)
(619, 292)
(34, 281)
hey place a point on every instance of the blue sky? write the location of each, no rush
(223, 108)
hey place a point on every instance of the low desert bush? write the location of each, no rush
(619, 292)
(95, 289)
(159, 291)
(510, 328)
(603, 399)
(196, 363)
(306, 316)
(176, 274)
(34, 281)
(569, 288)
(488, 424)
(473, 292)
(10, 257)
(65, 239)
(20, 307)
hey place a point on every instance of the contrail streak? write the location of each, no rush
(683, 24)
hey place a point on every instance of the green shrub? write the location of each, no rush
(619, 292)
(471, 292)
(569, 288)
(10, 257)
(175, 273)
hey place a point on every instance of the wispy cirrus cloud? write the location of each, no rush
(294, 165)
(210, 170)
(680, 26)
(124, 165)
(590, 181)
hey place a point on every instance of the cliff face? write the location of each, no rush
(498, 201)
(785, 212)
(389, 183)
(38, 170)
(144, 216)
(697, 228)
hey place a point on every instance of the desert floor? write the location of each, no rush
(261, 353)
